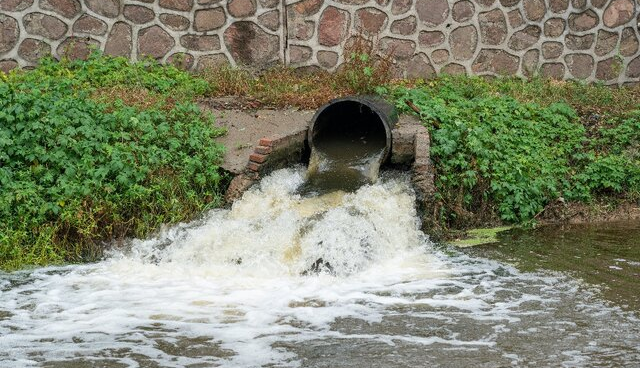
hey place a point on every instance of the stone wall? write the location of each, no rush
(593, 40)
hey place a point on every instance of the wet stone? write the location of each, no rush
(306, 8)
(15, 5)
(400, 49)
(370, 20)
(462, 11)
(530, 62)
(552, 70)
(77, 47)
(44, 25)
(606, 42)
(485, 3)
(633, 69)
(525, 38)
(327, 59)
(430, 38)
(200, 43)
(405, 26)
(440, 56)
(209, 19)
(181, 60)
(242, 8)
(138, 14)
(299, 54)
(608, 69)
(575, 42)
(301, 31)
(9, 33)
(119, 42)
(106, 8)
(270, 20)
(495, 61)
(584, 21)
(8, 65)
(618, 12)
(493, 27)
(580, 65)
(515, 18)
(463, 42)
(554, 27)
(628, 42)
(333, 27)
(401, 6)
(579, 4)
(558, 6)
(432, 12)
(175, 22)
(534, 10)
(180, 5)
(90, 24)
(33, 50)
(352, 2)
(509, 3)
(212, 61)
(155, 42)
(552, 50)
(419, 67)
(66, 8)
(268, 4)
(249, 44)
(454, 69)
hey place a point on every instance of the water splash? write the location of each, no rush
(228, 290)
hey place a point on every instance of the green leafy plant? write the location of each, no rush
(498, 156)
(76, 171)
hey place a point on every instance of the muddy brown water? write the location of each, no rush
(345, 162)
(229, 290)
(603, 254)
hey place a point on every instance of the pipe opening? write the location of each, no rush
(348, 129)
(349, 138)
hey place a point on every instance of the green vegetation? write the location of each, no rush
(96, 150)
(501, 150)
(103, 149)
(480, 236)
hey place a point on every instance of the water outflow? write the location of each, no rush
(230, 290)
(350, 138)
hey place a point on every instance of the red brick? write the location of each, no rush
(256, 157)
(266, 142)
(263, 150)
(253, 166)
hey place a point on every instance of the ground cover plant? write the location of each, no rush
(504, 149)
(97, 150)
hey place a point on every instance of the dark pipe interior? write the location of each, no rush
(351, 127)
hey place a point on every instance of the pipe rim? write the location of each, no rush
(364, 100)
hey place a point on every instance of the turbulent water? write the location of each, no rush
(340, 280)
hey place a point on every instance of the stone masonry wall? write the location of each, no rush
(592, 40)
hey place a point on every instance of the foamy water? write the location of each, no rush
(230, 290)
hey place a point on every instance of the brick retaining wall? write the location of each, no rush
(593, 40)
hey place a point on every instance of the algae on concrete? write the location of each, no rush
(480, 236)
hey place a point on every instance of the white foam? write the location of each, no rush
(231, 285)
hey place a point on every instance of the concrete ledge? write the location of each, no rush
(410, 150)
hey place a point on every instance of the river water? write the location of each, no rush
(280, 280)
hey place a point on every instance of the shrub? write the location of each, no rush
(75, 172)
(495, 154)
